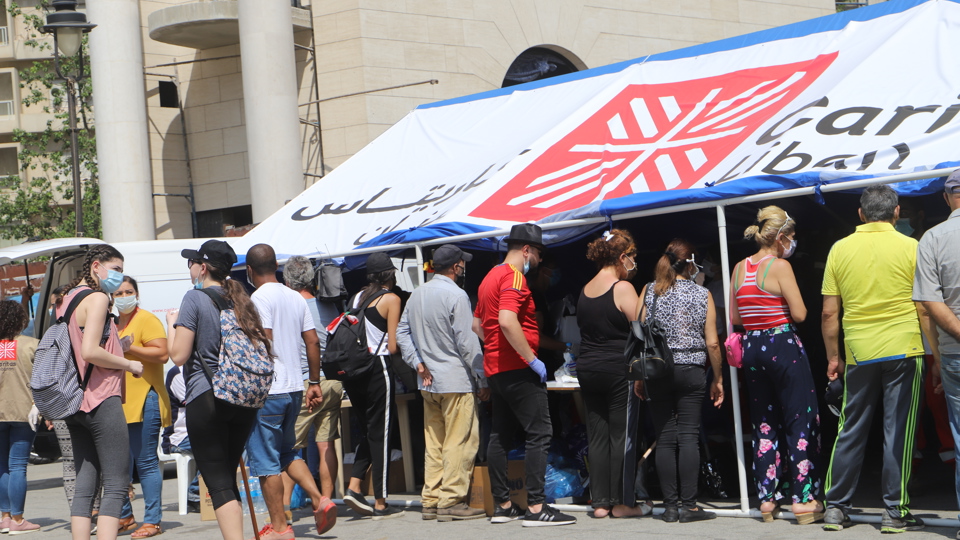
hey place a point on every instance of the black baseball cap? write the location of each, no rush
(448, 255)
(379, 262)
(216, 252)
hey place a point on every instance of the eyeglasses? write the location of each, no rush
(191, 262)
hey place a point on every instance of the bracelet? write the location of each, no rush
(311, 383)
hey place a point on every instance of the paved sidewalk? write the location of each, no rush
(47, 506)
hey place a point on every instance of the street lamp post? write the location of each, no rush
(68, 26)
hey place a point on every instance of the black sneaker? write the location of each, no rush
(835, 519)
(689, 515)
(506, 515)
(387, 513)
(546, 517)
(357, 503)
(193, 507)
(890, 524)
(670, 514)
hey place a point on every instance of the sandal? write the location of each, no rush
(768, 517)
(127, 523)
(807, 518)
(146, 531)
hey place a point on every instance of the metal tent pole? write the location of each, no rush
(734, 382)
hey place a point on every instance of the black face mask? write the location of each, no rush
(461, 279)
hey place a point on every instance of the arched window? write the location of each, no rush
(538, 63)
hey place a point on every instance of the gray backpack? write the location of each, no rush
(56, 383)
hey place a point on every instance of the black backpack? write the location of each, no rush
(347, 356)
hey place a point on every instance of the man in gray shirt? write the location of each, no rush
(436, 339)
(936, 284)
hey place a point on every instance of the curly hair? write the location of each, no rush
(771, 221)
(13, 319)
(673, 263)
(100, 253)
(606, 250)
(298, 273)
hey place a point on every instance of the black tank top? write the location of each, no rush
(603, 334)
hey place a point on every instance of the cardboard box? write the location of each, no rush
(395, 481)
(480, 494)
(206, 504)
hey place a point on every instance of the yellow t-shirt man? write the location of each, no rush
(872, 272)
(143, 328)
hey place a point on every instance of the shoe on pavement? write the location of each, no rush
(835, 519)
(23, 527)
(428, 513)
(267, 533)
(890, 524)
(325, 516)
(546, 517)
(459, 511)
(689, 515)
(671, 514)
(193, 507)
(387, 513)
(506, 515)
(357, 503)
(5, 525)
(127, 524)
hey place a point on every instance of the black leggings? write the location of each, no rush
(218, 432)
(675, 406)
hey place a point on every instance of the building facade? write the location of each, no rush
(351, 68)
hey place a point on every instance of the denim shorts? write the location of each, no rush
(270, 446)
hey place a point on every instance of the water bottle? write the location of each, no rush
(570, 361)
(259, 505)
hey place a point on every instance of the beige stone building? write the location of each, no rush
(360, 66)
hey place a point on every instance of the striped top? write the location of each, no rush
(759, 309)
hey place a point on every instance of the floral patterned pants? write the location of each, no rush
(786, 420)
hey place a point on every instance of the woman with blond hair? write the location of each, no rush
(765, 300)
(688, 315)
(606, 306)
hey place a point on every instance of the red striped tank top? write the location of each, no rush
(760, 310)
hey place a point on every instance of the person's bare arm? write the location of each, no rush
(713, 352)
(478, 327)
(92, 313)
(830, 327)
(393, 320)
(152, 352)
(314, 395)
(734, 307)
(790, 290)
(929, 328)
(625, 296)
(513, 331)
(945, 319)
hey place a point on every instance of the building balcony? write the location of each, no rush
(207, 24)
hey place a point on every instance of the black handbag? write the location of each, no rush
(647, 354)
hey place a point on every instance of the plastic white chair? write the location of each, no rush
(186, 469)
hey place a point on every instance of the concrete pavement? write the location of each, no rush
(46, 505)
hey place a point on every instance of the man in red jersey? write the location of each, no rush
(506, 321)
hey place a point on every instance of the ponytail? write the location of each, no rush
(100, 253)
(247, 316)
(672, 263)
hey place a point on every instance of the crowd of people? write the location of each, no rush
(886, 291)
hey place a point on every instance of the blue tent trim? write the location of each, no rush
(644, 201)
(826, 23)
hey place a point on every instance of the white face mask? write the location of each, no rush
(125, 304)
(787, 252)
(630, 269)
(696, 267)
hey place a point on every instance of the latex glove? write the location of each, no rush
(537, 366)
(34, 417)
(126, 342)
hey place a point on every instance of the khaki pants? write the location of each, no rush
(452, 438)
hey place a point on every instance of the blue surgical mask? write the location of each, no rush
(198, 283)
(112, 282)
(526, 267)
(903, 225)
(125, 304)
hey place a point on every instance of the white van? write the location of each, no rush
(161, 273)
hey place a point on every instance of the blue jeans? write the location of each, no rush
(144, 438)
(950, 375)
(16, 438)
(193, 493)
(270, 446)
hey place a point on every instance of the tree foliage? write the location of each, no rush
(43, 207)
